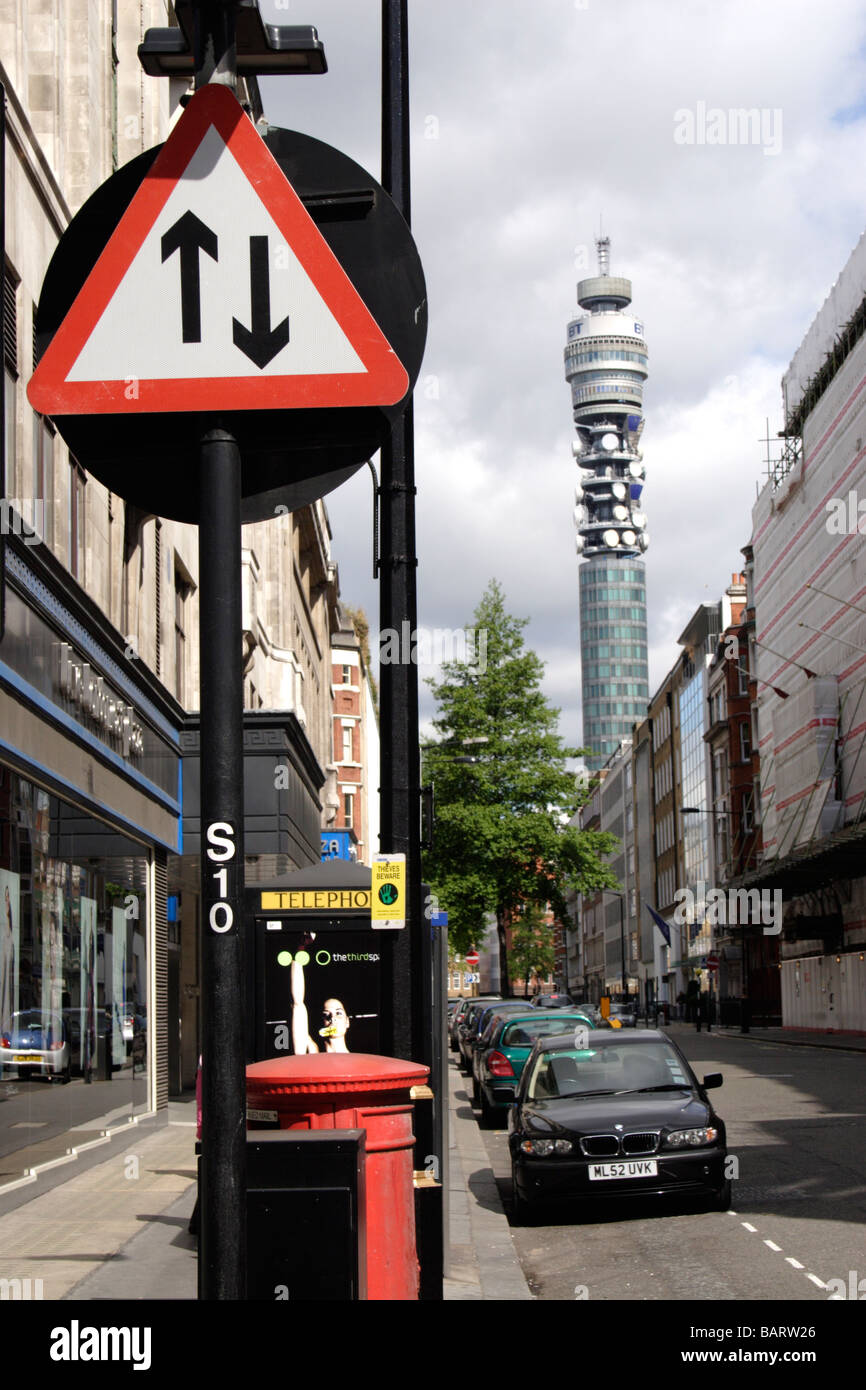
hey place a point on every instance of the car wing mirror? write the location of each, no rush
(713, 1081)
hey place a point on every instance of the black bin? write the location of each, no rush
(306, 1237)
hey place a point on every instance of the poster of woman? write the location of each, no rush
(52, 953)
(88, 988)
(9, 945)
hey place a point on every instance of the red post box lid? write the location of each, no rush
(321, 1072)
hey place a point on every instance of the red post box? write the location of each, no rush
(330, 1090)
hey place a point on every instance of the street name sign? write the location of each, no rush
(216, 292)
(388, 892)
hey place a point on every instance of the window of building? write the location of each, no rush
(347, 743)
(348, 810)
(747, 814)
(347, 675)
(75, 963)
(182, 590)
(745, 742)
(77, 508)
(43, 477)
(10, 375)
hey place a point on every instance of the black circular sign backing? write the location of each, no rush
(288, 457)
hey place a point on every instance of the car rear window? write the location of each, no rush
(573, 1072)
(524, 1032)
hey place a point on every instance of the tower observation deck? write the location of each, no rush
(606, 367)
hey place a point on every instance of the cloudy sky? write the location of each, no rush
(530, 125)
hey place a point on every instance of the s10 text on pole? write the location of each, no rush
(222, 1251)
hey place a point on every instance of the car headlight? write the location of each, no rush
(543, 1148)
(691, 1138)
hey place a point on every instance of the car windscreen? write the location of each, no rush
(649, 1066)
(42, 1028)
(524, 1032)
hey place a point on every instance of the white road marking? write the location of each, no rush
(815, 1280)
(773, 1246)
(748, 1227)
(796, 1263)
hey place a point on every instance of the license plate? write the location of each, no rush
(635, 1168)
(22, 1057)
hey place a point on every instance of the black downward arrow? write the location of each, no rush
(260, 342)
(189, 236)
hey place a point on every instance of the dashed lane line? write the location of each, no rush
(771, 1245)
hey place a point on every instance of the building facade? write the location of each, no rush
(354, 831)
(606, 366)
(809, 591)
(99, 678)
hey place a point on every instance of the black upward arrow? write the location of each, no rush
(189, 236)
(260, 342)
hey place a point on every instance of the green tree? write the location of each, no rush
(504, 795)
(532, 946)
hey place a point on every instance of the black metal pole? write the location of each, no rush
(400, 812)
(223, 1240)
(4, 462)
(622, 941)
(744, 988)
(409, 1029)
(222, 1255)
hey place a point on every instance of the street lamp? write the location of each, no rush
(270, 49)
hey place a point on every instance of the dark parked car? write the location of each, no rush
(552, 1001)
(459, 1015)
(467, 1030)
(625, 1013)
(623, 1117)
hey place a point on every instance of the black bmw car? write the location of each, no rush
(615, 1115)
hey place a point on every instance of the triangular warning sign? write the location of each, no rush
(216, 291)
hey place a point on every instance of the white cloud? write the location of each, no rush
(547, 118)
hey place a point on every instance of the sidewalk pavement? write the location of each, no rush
(483, 1264)
(799, 1037)
(118, 1229)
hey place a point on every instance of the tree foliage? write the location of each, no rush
(532, 946)
(502, 837)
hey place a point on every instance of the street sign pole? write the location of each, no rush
(411, 983)
(400, 813)
(222, 1255)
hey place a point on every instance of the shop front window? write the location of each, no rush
(73, 976)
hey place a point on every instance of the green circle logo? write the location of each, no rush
(284, 958)
(388, 894)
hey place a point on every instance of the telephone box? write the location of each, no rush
(315, 964)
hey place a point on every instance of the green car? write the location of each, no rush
(508, 1045)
